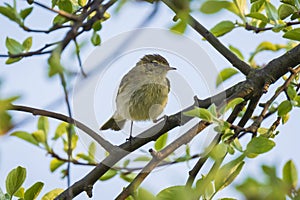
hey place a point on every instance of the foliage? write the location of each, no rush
(226, 154)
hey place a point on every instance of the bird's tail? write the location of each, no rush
(113, 124)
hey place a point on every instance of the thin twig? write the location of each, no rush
(231, 57)
(60, 12)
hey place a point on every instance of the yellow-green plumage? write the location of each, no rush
(143, 92)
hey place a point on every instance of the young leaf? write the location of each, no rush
(43, 124)
(175, 192)
(225, 74)
(227, 173)
(201, 113)
(27, 44)
(290, 176)
(24, 13)
(128, 176)
(293, 34)
(257, 6)
(92, 150)
(60, 130)
(55, 164)
(161, 142)
(12, 60)
(52, 194)
(96, 40)
(13, 46)
(32, 192)
(285, 10)
(82, 2)
(55, 66)
(237, 52)
(271, 11)
(222, 28)
(65, 5)
(210, 7)
(259, 145)
(259, 16)
(15, 179)
(108, 175)
(39, 136)
(143, 194)
(232, 104)
(284, 108)
(25, 136)
(179, 27)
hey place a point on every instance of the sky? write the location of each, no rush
(28, 79)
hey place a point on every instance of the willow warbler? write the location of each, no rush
(143, 92)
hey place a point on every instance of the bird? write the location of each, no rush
(142, 94)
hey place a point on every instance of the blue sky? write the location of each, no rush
(28, 78)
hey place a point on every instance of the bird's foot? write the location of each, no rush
(157, 120)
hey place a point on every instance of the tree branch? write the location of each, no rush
(159, 156)
(104, 143)
(231, 57)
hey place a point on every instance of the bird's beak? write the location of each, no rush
(172, 68)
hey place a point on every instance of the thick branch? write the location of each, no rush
(231, 57)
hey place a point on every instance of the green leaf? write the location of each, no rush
(227, 173)
(55, 66)
(55, 164)
(291, 2)
(222, 28)
(201, 113)
(12, 60)
(74, 141)
(290, 176)
(52, 194)
(161, 142)
(257, 6)
(15, 179)
(13, 46)
(143, 194)
(179, 27)
(85, 157)
(27, 44)
(20, 193)
(82, 2)
(176, 192)
(210, 7)
(142, 159)
(25, 136)
(65, 5)
(59, 20)
(11, 14)
(24, 13)
(33, 192)
(233, 103)
(39, 136)
(128, 176)
(225, 74)
(259, 145)
(92, 150)
(293, 34)
(97, 26)
(257, 15)
(108, 175)
(285, 10)
(43, 124)
(95, 39)
(284, 108)
(292, 93)
(60, 130)
(271, 11)
(237, 52)
(219, 151)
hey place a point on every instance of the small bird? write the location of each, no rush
(142, 94)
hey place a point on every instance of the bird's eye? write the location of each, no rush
(155, 62)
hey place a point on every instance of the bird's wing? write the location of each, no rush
(168, 82)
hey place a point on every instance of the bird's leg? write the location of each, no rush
(130, 136)
(157, 120)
